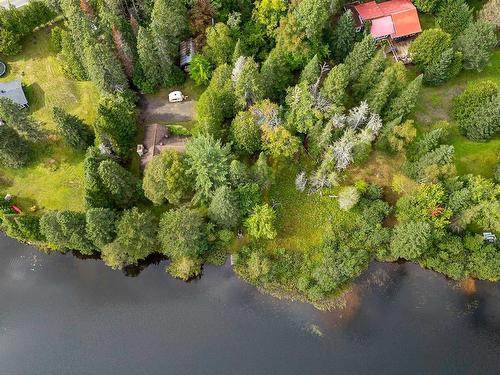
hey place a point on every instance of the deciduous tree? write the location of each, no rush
(101, 226)
(66, 231)
(246, 133)
(261, 223)
(411, 240)
(220, 44)
(182, 233)
(166, 179)
(209, 165)
(136, 239)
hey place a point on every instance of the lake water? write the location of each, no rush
(63, 315)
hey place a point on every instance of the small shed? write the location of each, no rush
(187, 50)
(13, 90)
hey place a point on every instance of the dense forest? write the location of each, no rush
(293, 95)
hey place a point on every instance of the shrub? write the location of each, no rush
(474, 110)
(185, 267)
(348, 198)
(261, 223)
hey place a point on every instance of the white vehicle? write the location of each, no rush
(175, 97)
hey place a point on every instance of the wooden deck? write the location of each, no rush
(400, 50)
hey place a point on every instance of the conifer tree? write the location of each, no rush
(262, 171)
(277, 74)
(443, 68)
(237, 52)
(248, 85)
(168, 25)
(224, 209)
(17, 118)
(14, 151)
(74, 131)
(123, 186)
(344, 36)
(311, 71)
(335, 85)
(124, 51)
(454, 16)
(103, 67)
(370, 75)
(70, 58)
(403, 104)
(379, 95)
(361, 53)
(116, 123)
(476, 43)
(149, 61)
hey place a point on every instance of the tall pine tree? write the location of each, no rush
(74, 131)
(403, 104)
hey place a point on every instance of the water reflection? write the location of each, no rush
(63, 315)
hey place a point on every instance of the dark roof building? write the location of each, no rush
(187, 50)
(13, 90)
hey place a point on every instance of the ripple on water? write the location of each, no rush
(19, 266)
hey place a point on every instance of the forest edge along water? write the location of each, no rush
(64, 315)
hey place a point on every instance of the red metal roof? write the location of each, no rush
(395, 6)
(382, 26)
(406, 23)
(402, 13)
(369, 11)
(372, 10)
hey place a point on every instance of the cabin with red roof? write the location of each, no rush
(393, 20)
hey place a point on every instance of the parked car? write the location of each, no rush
(175, 97)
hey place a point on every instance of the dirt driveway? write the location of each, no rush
(157, 109)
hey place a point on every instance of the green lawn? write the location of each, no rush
(54, 179)
(434, 104)
(303, 219)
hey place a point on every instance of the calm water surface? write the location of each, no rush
(62, 315)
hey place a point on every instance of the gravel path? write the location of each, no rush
(158, 109)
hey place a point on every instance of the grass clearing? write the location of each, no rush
(303, 219)
(434, 104)
(54, 179)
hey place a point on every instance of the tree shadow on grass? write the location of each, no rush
(36, 97)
